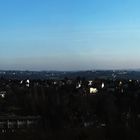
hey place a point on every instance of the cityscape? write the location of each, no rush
(70, 69)
(68, 106)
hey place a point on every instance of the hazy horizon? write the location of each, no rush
(69, 34)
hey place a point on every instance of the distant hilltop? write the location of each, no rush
(89, 74)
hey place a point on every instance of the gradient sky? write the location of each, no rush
(69, 34)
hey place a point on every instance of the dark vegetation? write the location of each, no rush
(71, 112)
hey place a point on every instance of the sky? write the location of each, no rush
(69, 34)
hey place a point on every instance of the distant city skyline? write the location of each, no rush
(69, 34)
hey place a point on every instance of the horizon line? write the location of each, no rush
(137, 69)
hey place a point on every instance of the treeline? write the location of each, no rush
(62, 105)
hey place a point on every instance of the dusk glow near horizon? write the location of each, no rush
(69, 34)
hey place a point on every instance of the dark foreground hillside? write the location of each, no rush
(70, 109)
(75, 134)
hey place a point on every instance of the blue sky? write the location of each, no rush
(69, 34)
